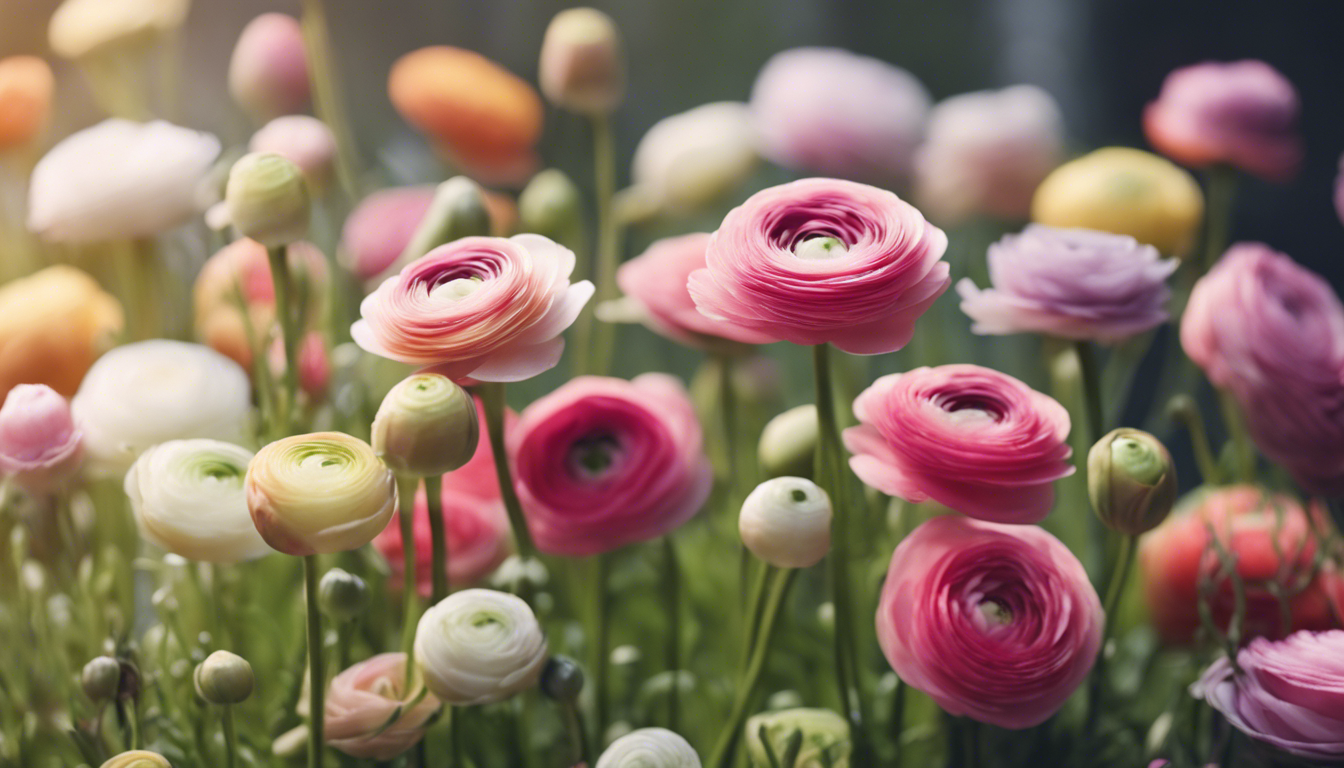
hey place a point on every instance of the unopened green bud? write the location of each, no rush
(824, 738)
(101, 678)
(342, 594)
(268, 199)
(551, 205)
(457, 211)
(1131, 480)
(426, 426)
(789, 443)
(224, 678)
(562, 679)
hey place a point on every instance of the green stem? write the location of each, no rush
(569, 711)
(492, 398)
(780, 581)
(608, 237)
(456, 720)
(1091, 375)
(134, 717)
(1221, 190)
(327, 102)
(288, 334)
(230, 747)
(317, 677)
(672, 587)
(1184, 410)
(1243, 450)
(1114, 591)
(601, 643)
(410, 596)
(438, 534)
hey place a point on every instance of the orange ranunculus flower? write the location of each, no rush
(25, 99)
(478, 113)
(53, 325)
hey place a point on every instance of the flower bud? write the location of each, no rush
(581, 67)
(25, 99)
(268, 73)
(1131, 480)
(303, 140)
(825, 737)
(268, 199)
(787, 522)
(457, 211)
(101, 678)
(649, 748)
(551, 205)
(427, 426)
(224, 678)
(562, 679)
(789, 442)
(479, 646)
(138, 759)
(342, 595)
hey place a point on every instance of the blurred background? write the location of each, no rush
(1102, 59)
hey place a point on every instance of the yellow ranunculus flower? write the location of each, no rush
(1125, 191)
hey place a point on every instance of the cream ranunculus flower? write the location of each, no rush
(151, 392)
(787, 522)
(426, 426)
(825, 737)
(649, 748)
(479, 646)
(79, 28)
(138, 759)
(188, 498)
(689, 160)
(119, 179)
(319, 493)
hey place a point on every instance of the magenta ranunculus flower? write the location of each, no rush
(381, 226)
(1289, 693)
(364, 698)
(1070, 283)
(1272, 333)
(995, 622)
(488, 308)
(40, 446)
(823, 260)
(602, 462)
(829, 111)
(656, 281)
(1241, 113)
(973, 439)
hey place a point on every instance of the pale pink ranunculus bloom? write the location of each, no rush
(1241, 113)
(301, 139)
(362, 699)
(822, 261)
(40, 445)
(829, 111)
(973, 439)
(657, 281)
(601, 463)
(998, 623)
(1287, 693)
(381, 226)
(1272, 333)
(268, 73)
(985, 153)
(488, 308)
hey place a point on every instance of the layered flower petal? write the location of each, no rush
(479, 646)
(367, 713)
(40, 445)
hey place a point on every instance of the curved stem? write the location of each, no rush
(327, 101)
(438, 534)
(1221, 190)
(569, 710)
(1114, 590)
(492, 398)
(1184, 410)
(1243, 450)
(317, 677)
(288, 334)
(230, 747)
(410, 596)
(608, 238)
(780, 581)
(672, 590)
(1091, 375)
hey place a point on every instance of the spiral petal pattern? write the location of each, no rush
(479, 646)
(361, 701)
(649, 748)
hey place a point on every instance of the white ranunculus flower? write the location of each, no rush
(119, 180)
(690, 159)
(787, 522)
(479, 646)
(188, 498)
(150, 392)
(649, 748)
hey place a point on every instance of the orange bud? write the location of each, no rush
(53, 325)
(25, 99)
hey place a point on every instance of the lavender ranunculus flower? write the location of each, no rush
(1070, 283)
(1241, 113)
(832, 112)
(1289, 693)
(1272, 333)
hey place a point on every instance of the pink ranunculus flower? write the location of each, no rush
(268, 73)
(829, 111)
(363, 698)
(1287, 693)
(1241, 113)
(973, 439)
(995, 622)
(381, 226)
(1072, 284)
(488, 308)
(478, 538)
(823, 260)
(314, 363)
(656, 280)
(40, 446)
(603, 462)
(304, 141)
(1272, 333)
